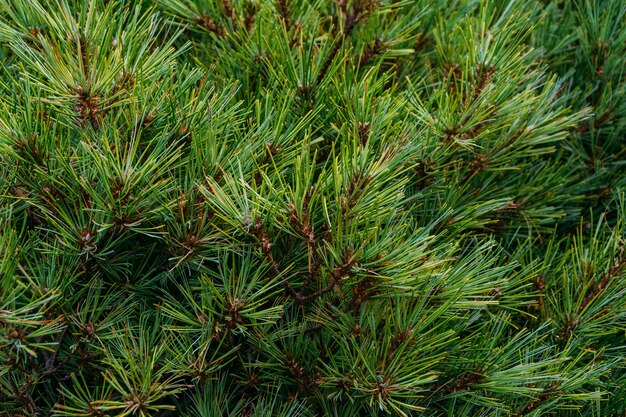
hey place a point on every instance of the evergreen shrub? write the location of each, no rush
(312, 208)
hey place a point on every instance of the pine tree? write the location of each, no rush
(312, 208)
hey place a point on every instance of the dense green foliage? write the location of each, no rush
(312, 208)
